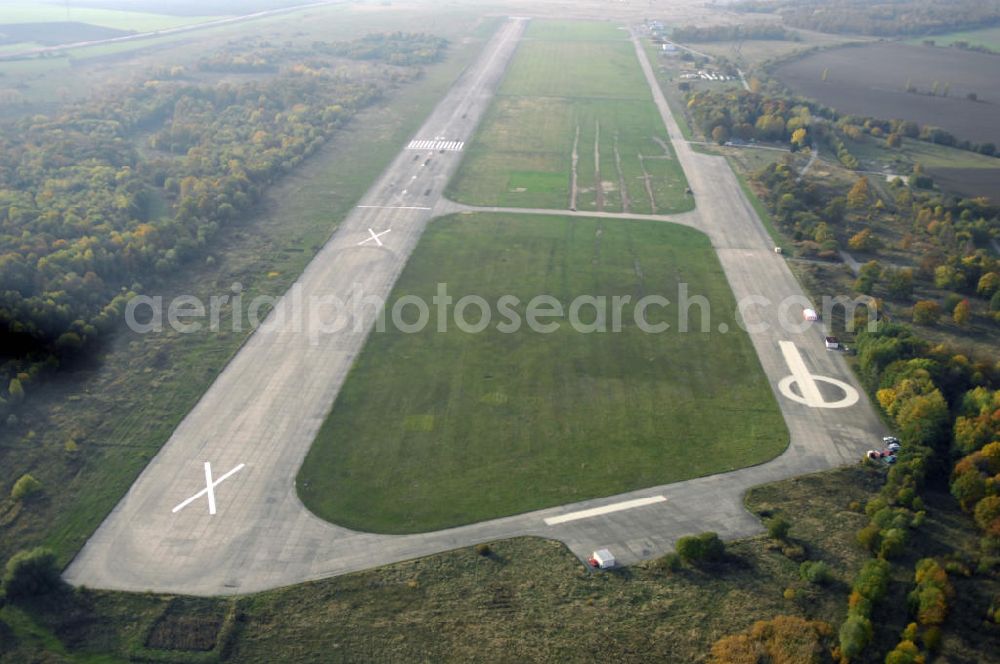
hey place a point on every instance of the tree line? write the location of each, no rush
(86, 217)
(884, 19)
(750, 31)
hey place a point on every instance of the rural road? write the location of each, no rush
(258, 420)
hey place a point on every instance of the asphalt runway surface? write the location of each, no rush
(257, 421)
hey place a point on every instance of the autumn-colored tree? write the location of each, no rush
(864, 240)
(894, 140)
(860, 194)
(962, 313)
(720, 134)
(926, 312)
(781, 640)
(987, 515)
(905, 652)
(799, 137)
(989, 284)
(924, 420)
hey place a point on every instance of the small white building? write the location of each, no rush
(810, 315)
(603, 559)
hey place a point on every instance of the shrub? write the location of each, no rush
(868, 537)
(893, 543)
(670, 562)
(905, 652)
(26, 486)
(815, 571)
(703, 547)
(781, 639)
(793, 551)
(789, 593)
(778, 527)
(854, 635)
(932, 639)
(926, 312)
(31, 573)
(483, 549)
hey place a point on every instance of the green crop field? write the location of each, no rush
(437, 429)
(573, 83)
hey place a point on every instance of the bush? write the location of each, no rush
(26, 486)
(905, 652)
(893, 543)
(31, 573)
(854, 635)
(670, 562)
(868, 537)
(483, 549)
(778, 527)
(815, 571)
(926, 312)
(703, 547)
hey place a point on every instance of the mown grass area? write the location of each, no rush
(565, 80)
(531, 600)
(119, 409)
(575, 31)
(467, 427)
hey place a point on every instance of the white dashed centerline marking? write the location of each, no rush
(606, 509)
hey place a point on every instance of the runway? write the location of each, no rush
(257, 421)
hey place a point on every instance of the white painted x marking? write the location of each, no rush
(209, 489)
(374, 236)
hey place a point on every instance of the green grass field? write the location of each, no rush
(569, 76)
(467, 427)
(24, 11)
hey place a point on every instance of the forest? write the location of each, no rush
(884, 19)
(99, 200)
(713, 33)
(944, 405)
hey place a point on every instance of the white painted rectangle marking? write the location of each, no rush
(606, 509)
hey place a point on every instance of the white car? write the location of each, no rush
(888, 440)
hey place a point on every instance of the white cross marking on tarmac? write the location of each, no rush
(374, 236)
(209, 489)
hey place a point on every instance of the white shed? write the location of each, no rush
(810, 314)
(603, 559)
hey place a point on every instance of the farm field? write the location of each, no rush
(871, 80)
(561, 92)
(957, 171)
(467, 427)
(986, 38)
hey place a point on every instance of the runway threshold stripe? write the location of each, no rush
(606, 509)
